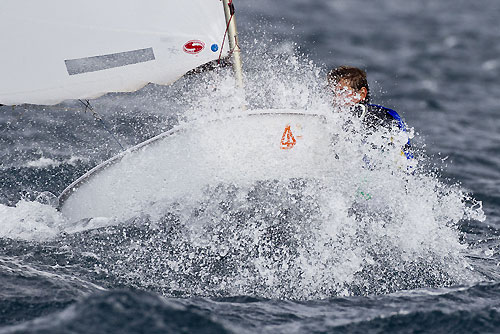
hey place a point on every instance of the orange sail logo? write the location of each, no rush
(287, 140)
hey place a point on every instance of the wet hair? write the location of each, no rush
(355, 78)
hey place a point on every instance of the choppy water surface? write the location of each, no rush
(421, 254)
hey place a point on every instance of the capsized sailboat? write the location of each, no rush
(68, 54)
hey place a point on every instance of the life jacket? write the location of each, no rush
(374, 116)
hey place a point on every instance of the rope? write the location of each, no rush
(224, 39)
(87, 106)
(99, 118)
(236, 45)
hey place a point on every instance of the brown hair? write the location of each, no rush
(355, 78)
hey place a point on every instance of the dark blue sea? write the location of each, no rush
(274, 257)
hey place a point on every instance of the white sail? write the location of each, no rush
(53, 50)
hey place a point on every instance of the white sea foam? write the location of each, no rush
(44, 162)
(33, 220)
(30, 221)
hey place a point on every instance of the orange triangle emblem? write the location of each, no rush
(287, 140)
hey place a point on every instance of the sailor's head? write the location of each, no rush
(349, 85)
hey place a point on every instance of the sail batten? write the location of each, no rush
(55, 50)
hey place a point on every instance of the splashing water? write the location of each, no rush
(376, 223)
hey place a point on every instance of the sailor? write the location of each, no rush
(350, 87)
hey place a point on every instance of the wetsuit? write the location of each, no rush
(374, 116)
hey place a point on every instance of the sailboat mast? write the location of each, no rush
(233, 41)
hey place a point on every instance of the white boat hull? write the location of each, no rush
(181, 162)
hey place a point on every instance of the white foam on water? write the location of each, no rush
(36, 221)
(89, 224)
(44, 162)
(30, 221)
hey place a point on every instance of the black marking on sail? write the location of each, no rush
(104, 62)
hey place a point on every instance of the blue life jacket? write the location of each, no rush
(377, 115)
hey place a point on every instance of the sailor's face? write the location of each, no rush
(346, 95)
